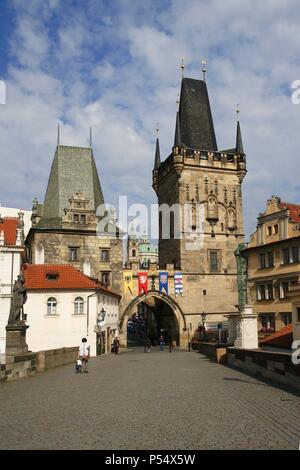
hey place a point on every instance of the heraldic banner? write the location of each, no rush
(143, 282)
(128, 282)
(163, 281)
(178, 283)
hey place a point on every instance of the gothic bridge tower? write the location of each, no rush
(208, 181)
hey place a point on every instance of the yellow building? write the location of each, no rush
(274, 264)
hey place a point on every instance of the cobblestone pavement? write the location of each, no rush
(148, 401)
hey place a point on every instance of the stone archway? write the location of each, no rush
(163, 299)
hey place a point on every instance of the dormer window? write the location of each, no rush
(52, 276)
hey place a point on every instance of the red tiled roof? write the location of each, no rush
(9, 226)
(293, 208)
(68, 278)
(282, 339)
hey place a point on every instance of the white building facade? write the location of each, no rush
(63, 306)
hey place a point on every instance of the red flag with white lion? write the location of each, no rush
(142, 283)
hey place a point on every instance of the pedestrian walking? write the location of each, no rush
(84, 355)
(148, 346)
(161, 343)
(170, 345)
(116, 345)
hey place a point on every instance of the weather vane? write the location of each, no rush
(203, 68)
(157, 128)
(182, 66)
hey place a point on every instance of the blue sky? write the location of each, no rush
(114, 65)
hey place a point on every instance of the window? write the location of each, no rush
(295, 254)
(270, 291)
(270, 259)
(73, 254)
(78, 306)
(261, 293)
(105, 278)
(286, 256)
(269, 230)
(267, 323)
(51, 306)
(286, 318)
(276, 229)
(213, 261)
(104, 255)
(285, 289)
(262, 257)
(298, 314)
(133, 254)
(76, 217)
(83, 218)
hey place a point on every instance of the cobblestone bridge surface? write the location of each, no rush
(148, 401)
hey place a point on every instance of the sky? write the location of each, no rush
(115, 65)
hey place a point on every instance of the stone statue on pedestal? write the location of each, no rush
(19, 297)
(241, 264)
(16, 327)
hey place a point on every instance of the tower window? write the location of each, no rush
(73, 254)
(214, 262)
(83, 218)
(105, 278)
(104, 255)
(133, 253)
(76, 217)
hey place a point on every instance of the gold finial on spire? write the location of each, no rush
(203, 68)
(237, 110)
(157, 129)
(182, 66)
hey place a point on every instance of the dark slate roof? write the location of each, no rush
(177, 140)
(157, 156)
(195, 118)
(73, 169)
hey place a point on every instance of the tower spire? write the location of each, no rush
(58, 134)
(91, 140)
(157, 150)
(239, 143)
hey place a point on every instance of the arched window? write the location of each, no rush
(78, 306)
(51, 306)
(133, 253)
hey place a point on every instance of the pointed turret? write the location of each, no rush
(177, 140)
(157, 155)
(239, 143)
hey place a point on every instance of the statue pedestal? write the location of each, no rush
(246, 328)
(16, 338)
(232, 322)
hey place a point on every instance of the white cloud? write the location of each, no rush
(117, 70)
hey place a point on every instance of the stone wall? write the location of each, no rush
(16, 367)
(55, 357)
(213, 351)
(26, 365)
(275, 366)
